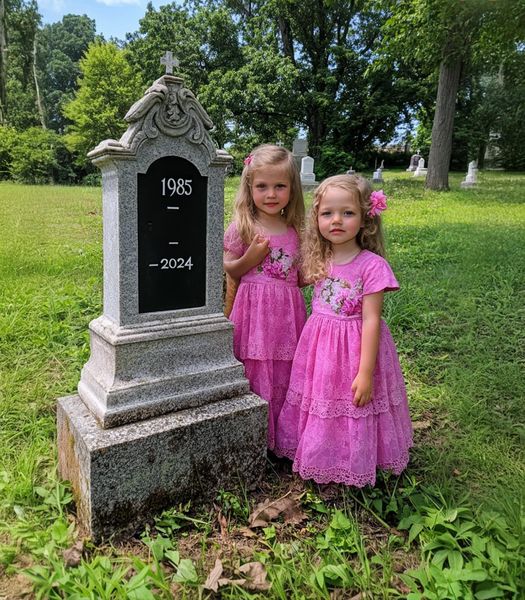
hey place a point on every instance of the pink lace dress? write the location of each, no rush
(268, 315)
(319, 428)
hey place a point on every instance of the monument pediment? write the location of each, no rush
(169, 108)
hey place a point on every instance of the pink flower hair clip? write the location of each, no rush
(377, 203)
(248, 159)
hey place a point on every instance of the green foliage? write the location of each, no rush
(22, 22)
(420, 36)
(466, 554)
(40, 156)
(333, 160)
(232, 505)
(252, 104)
(107, 88)
(60, 47)
(8, 136)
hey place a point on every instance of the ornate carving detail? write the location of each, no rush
(169, 107)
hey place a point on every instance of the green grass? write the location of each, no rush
(458, 322)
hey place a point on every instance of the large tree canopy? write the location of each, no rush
(18, 30)
(449, 39)
(266, 69)
(60, 48)
(347, 74)
(108, 86)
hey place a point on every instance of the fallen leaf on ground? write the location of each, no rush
(223, 524)
(256, 576)
(247, 532)
(421, 424)
(212, 581)
(269, 510)
(456, 472)
(73, 556)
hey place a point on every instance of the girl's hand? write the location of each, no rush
(362, 388)
(257, 250)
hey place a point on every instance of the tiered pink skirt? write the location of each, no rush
(320, 429)
(268, 317)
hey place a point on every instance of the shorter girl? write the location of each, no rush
(261, 249)
(346, 410)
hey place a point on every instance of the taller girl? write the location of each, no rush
(346, 411)
(261, 250)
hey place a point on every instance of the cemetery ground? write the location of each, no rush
(451, 527)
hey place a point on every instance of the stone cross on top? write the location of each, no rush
(169, 61)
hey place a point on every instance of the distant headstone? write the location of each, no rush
(307, 173)
(421, 170)
(377, 177)
(471, 178)
(414, 160)
(382, 165)
(163, 413)
(299, 151)
(350, 171)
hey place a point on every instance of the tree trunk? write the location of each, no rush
(482, 149)
(39, 104)
(443, 126)
(3, 65)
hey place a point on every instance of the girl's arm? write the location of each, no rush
(237, 266)
(362, 384)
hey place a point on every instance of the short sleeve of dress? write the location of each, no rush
(232, 240)
(378, 276)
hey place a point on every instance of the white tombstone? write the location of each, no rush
(414, 159)
(377, 177)
(307, 171)
(421, 170)
(472, 175)
(350, 171)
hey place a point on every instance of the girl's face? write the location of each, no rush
(271, 189)
(339, 217)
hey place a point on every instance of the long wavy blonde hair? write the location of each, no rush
(317, 252)
(245, 211)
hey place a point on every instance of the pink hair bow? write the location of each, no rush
(248, 159)
(377, 203)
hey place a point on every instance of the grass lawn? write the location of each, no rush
(452, 526)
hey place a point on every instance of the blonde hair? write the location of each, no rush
(245, 211)
(317, 251)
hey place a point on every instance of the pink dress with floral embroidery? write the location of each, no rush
(319, 428)
(268, 316)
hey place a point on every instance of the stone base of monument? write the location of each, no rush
(122, 476)
(308, 183)
(141, 372)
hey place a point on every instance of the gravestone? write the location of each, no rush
(420, 170)
(308, 181)
(163, 412)
(350, 171)
(377, 177)
(299, 151)
(414, 160)
(471, 178)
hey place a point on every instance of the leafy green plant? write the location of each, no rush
(234, 506)
(466, 554)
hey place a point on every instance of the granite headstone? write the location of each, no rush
(163, 412)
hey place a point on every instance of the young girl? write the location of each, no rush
(261, 250)
(346, 410)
